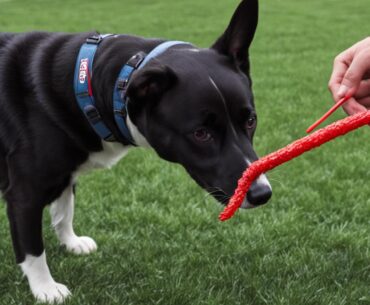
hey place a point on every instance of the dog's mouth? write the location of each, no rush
(259, 196)
(223, 198)
(246, 204)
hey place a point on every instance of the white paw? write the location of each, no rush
(50, 292)
(80, 245)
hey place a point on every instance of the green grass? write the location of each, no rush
(159, 238)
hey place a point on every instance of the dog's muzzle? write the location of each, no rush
(247, 205)
(259, 193)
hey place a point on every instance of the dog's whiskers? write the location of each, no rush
(280, 182)
(218, 193)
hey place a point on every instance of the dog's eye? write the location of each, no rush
(251, 122)
(202, 135)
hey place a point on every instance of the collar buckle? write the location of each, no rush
(122, 112)
(122, 84)
(136, 60)
(95, 39)
(92, 114)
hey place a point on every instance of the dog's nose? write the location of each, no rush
(260, 192)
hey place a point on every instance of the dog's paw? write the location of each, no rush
(80, 245)
(52, 293)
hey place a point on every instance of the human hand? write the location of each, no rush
(351, 76)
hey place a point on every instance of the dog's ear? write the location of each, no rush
(148, 85)
(238, 36)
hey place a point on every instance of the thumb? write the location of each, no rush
(354, 75)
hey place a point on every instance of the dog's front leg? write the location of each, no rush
(25, 218)
(62, 211)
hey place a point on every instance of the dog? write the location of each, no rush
(193, 106)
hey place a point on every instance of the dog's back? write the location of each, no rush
(5, 123)
(24, 103)
(5, 38)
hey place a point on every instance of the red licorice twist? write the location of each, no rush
(290, 152)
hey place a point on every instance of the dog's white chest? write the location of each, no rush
(109, 156)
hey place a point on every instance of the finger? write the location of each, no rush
(363, 44)
(363, 90)
(339, 69)
(365, 102)
(344, 60)
(351, 107)
(334, 88)
(355, 73)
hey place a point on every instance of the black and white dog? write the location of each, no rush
(192, 106)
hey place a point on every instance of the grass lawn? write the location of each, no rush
(158, 235)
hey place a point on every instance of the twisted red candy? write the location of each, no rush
(290, 152)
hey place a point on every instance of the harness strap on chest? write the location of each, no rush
(83, 88)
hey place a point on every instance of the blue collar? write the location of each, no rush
(83, 89)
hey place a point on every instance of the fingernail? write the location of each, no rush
(342, 90)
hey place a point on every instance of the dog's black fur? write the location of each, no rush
(44, 137)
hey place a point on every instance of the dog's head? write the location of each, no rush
(195, 107)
